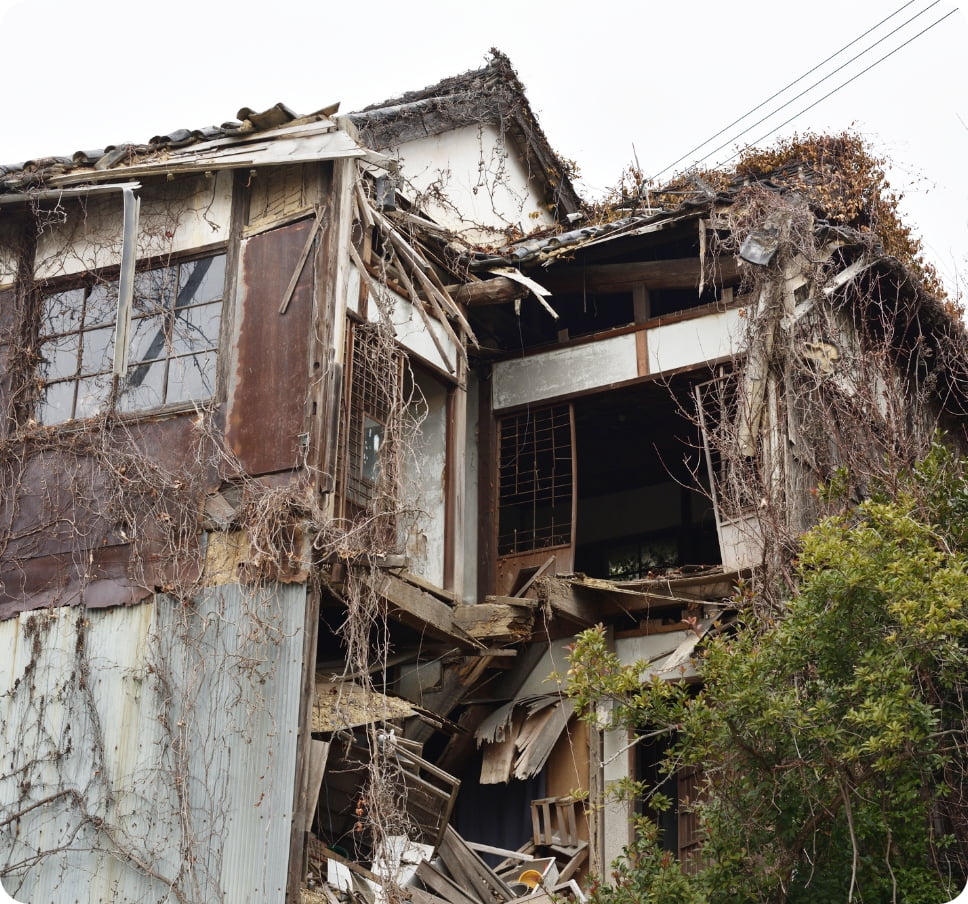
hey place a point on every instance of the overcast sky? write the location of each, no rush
(609, 81)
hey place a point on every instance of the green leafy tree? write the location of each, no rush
(833, 738)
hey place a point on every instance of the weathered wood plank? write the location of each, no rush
(486, 883)
(497, 619)
(498, 290)
(564, 601)
(437, 882)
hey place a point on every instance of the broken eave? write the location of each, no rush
(411, 602)
(276, 140)
(587, 601)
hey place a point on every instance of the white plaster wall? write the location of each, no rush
(564, 371)
(479, 176)
(425, 481)
(408, 325)
(617, 814)
(741, 542)
(690, 342)
(8, 260)
(177, 216)
(353, 289)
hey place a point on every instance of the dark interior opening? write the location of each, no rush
(641, 477)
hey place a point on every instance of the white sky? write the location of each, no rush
(606, 79)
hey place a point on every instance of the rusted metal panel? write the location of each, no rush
(87, 517)
(267, 391)
(56, 580)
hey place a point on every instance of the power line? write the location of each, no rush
(835, 90)
(782, 90)
(825, 78)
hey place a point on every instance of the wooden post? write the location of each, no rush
(596, 801)
(300, 803)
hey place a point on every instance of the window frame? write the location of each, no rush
(110, 393)
(365, 398)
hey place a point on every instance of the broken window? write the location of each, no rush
(635, 559)
(734, 477)
(643, 503)
(535, 493)
(176, 316)
(680, 831)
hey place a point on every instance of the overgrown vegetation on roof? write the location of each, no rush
(841, 177)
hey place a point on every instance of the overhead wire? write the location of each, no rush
(785, 88)
(814, 85)
(844, 84)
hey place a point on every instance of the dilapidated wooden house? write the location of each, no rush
(322, 436)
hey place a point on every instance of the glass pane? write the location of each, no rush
(192, 377)
(97, 352)
(58, 357)
(102, 305)
(63, 312)
(204, 280)
(147, 339)
(92, 393)
(154, 290)
(56, 404)
(196, 329)
(372, 446)
(144, 388)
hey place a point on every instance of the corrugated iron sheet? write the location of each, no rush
(156, 748)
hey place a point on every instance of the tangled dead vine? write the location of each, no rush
(845, 392)
(104, 483)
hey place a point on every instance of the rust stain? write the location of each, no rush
(269, 386)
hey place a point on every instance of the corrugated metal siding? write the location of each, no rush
(157, 738)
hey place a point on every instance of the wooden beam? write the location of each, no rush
(677, 273)
(588, 602)
(498, 290)
(443, 887)
(418, 608)
(564, 601)
(302, 811)
(498, 618)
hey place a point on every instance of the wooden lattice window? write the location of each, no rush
(372, 411)
(535, 480)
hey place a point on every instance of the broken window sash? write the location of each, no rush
(374, 434)
(129, 253)
(174, 319)
(734, 477)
